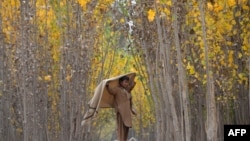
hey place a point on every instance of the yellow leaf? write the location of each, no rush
(242, 77)
(222, 62)
(230, 58)
(205, 76)
(245, 48)
(151, 15)
(83, 3)
(217, 7)
(237, 14)
(14, 2)
(169, 3)
(209, 6)
(234, 31)
(229, 43)
(47, 77)
(166, 11)
(196, 75)
(231, 2)
(239, 55)
(199, 38)
(192, 71)
(122, 20)
(244, 7)
(191, 68)
(233, 22)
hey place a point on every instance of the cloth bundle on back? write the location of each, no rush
(102, 97)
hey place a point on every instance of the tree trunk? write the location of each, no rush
(211, 121)
(183, 91)
(26, 69)
(249, 78)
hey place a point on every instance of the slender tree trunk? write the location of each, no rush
(249, 78)
(166, 84)
(211, 121)
(153, 78)
(183, 91)
(24, 85)
(3, 115)
(153, 90)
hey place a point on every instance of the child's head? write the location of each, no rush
(124, 81)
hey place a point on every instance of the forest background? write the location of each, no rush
(192, 59)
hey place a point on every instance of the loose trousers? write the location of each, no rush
(122, 131)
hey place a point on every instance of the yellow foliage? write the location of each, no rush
(197, 75)
(245, 48)
(217, 7)
(108, 2)
(230, 58)
(245, 7)
(55, 53)
(242, 77)
(9, 12)
(83, 3)
(51, 14)
(199, 38)
(223, 26)
(14, 2)
(240, 55)
(190, 68)
(231, 3)
(233, 22)
(209, 6)
(210, 21)
(166, 11)
(169, 2)
(151, 15)
(40, 3)
(122, 20)
(47, 78)
(237, 14)
(202, 55)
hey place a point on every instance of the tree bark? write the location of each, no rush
(183, 91)
(211, 121)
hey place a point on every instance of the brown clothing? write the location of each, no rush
(122, 104)
(123, 107)
(122, 130)
(102, 98)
